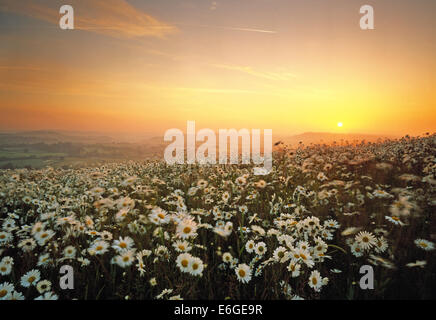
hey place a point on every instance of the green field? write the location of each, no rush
(19, 157)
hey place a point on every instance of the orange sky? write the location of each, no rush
(147, 66)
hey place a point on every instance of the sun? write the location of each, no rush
(340, 124)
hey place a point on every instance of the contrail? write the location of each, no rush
(248, 29)
(227, 28)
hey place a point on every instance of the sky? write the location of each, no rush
(289, 65)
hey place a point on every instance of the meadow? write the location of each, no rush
(148, 230)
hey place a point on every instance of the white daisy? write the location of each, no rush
(243, 273)
(31, 278)
(365, 240)
(195, 266)
(183, 261)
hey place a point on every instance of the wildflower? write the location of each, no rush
(424, 244)
(365, 240)
(186, 229)
(44, 236)
(69, 252)
(381, 245)
(294, 268)
(401, 207)
(418, 263)
(125, 258)
(260, 248)
(5, 237)
(249, 246)
(243, 273)
(43, 260)
(30, 278)
(47, 296)
(5, 268)
(183, 261)
(99, 247)
(315, 281)
(395, 220)
(43, 286)
(15, 296)
(153, 282)
(356, 250)
(27, 245)
(182, 246)
(227, 257)
(195, 266)
(280, 254)
(122, 244)
(6, 289)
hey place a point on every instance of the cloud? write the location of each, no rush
(283, 76)
(228, 28)
(249, 29)
(115, 18)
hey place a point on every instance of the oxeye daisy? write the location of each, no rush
(294, 268)
(195, 266)
(183, 261)
(121, 244)
(280, 254)
(186, 229)
(44, 236)
(5, 237)
(8, 224)
(125, 258)
(395, 220)
(243, 273)
(6, 290)
(365, 239)
(225, 197)
(31, 278)
(356, 250)
(105, 235)
(424, 244)
(331, 224)
(16, 296)
(43, 286)
(315, 280)
(381, 245)
(99, 247)
(153, 282)
(260, 248)
(159, 216)
(249, 246)
(227, 257)
(48, 296)
(5, 268)
(43, 260)
(69, 252)
(182, 246)
(27, 245)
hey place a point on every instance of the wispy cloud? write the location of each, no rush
(115, 18)
(228, 28)
(249, 29)
(261, 74)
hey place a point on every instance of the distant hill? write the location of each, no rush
(329, 138)
(43, 136)
(155, 141)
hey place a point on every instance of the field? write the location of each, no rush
(20, 157)
(146, 230)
